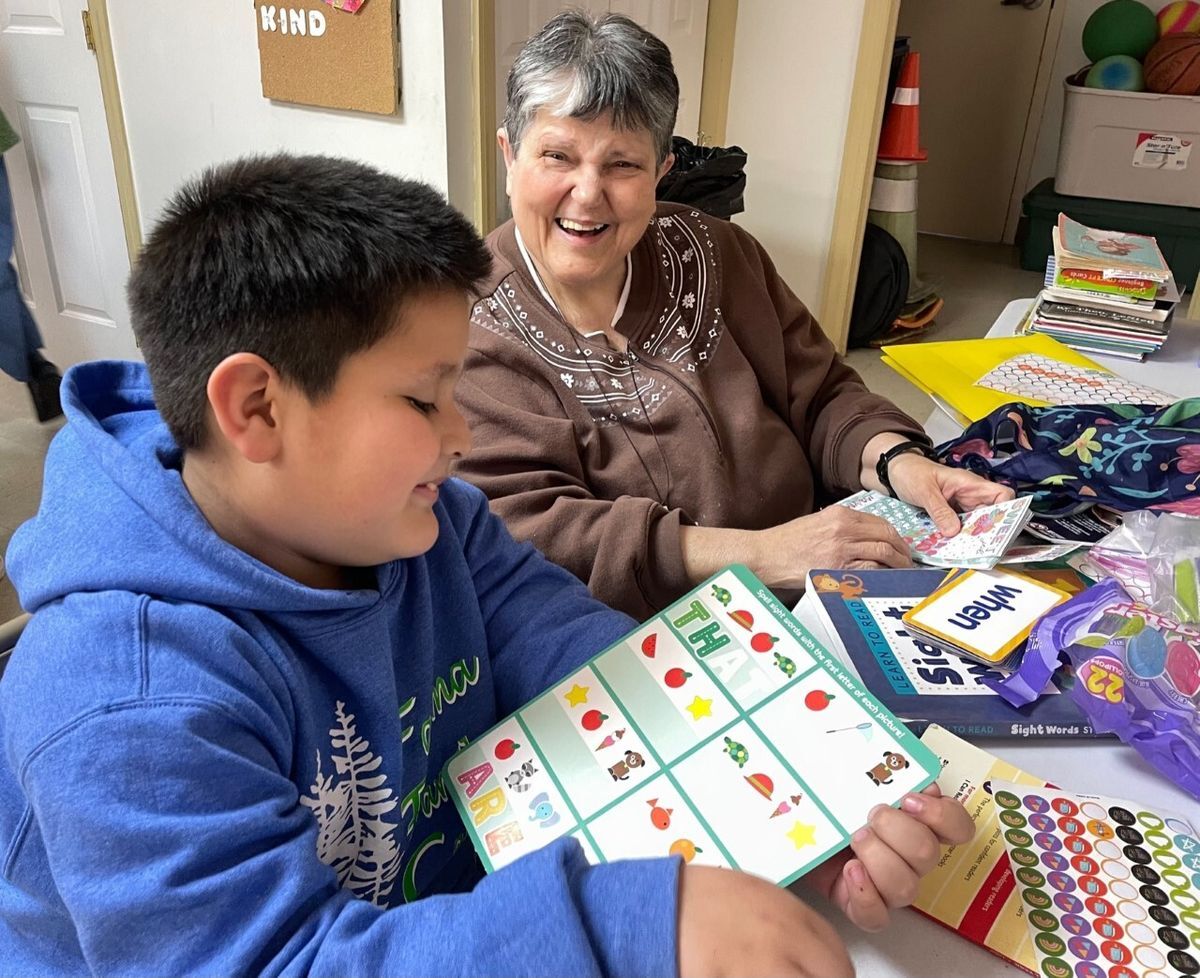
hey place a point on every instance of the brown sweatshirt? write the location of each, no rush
(730, 409)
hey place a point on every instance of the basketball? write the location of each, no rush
(1173, 65)
(1120, 27)
(1118, 72)
(1180, 17)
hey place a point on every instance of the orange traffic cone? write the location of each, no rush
(899, 142)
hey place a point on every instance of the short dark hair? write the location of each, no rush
(303, 260)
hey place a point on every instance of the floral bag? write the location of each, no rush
(1125, 456)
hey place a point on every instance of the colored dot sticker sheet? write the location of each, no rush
(719, 731)
(1110, 888)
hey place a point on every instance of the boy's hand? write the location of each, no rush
(734, 924)
(890, 854)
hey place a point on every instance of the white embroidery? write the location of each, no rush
(353, 838)
(567, 379)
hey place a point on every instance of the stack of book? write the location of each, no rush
(1106, 292)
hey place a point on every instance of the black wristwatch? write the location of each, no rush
(881, 467)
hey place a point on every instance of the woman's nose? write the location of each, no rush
(588, 186)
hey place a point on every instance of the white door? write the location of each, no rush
(680, 23)
(71, 253)
(979, 65)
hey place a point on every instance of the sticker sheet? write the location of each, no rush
(987, 532)
(719, 730)
(1051, 381)
(1111, 889)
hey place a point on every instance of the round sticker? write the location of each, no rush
(1192, 860)
(1030, 876)
(1077, 925)
(1041, 822)
(1132, 910)
(1070, 825)
(1115, 870)
(1068, 902)
(1186, 843)
(1078, 845)
(1050, 943)
(1140, 933)
(1006, 799)
(1064, 806)
(1090, 810)
(1014, 820)
(1127, 833)
(1185, 899)
(1183, 962)
(1122, 971)
(1178, 825)
(1174, 878)
(1018, 837)
(1083, 949)
(1158, 839)
(1172, 937)
(1086, 969)
(1164, 915)
(1085, 865)
(1122, 816)
(1063, 882)
(1108, 849)
(1092, 885)
(1023, 857)
(1116, 953)
(1056, 860)
(1152, 894)
(1036, 898)
(1123, 890)
(1109, 929)
(1136, 854)
(1036, 803)
(1145, 874)
(1101, 830)
(1167, 859)
(1099, 906)
(1043, 920)
(1189, 918)
(1055, 968)
(1150, 820)
(1150, 957)
(1047, 840)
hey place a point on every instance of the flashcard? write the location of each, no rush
(1111, 888)
(987, 531)
(719, 731)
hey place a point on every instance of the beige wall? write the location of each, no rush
(793, 68)
(192, 96)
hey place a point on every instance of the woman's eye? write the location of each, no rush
(423, 406)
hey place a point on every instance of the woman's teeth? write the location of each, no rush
(576, 227)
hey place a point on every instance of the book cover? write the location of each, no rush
(973, 890)
(1094, 281)
(1115, 252)
(860, 614)
(720, 730)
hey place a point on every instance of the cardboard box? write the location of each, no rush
(1135, 146)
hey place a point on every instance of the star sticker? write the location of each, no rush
(577, 694)
(699, 707)
(802, 835)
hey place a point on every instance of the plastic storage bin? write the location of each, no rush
(1176, 228)
(1134, 146)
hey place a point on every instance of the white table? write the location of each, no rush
(916, 946)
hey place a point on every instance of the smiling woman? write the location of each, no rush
(649, 400)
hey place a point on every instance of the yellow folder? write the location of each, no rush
(947, 371)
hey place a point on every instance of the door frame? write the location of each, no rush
(867, 93)
(714, 95)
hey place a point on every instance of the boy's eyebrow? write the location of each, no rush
(438, 371)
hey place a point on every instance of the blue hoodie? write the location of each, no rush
(209, 768)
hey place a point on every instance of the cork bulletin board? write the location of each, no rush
(315, 54)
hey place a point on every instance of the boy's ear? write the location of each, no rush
(243, 391)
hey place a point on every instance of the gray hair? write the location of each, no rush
(580, 67)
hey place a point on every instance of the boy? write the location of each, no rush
(264, 619)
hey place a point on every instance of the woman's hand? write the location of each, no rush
(940, 490)
(887, 858)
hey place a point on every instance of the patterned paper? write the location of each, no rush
(987, 532)
(1054, 382)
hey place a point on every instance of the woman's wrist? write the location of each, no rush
(708, 549)
(874, 448)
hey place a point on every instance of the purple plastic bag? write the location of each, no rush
(1137, 675)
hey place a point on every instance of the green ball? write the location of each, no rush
(1120, 27)
(1118, 72)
